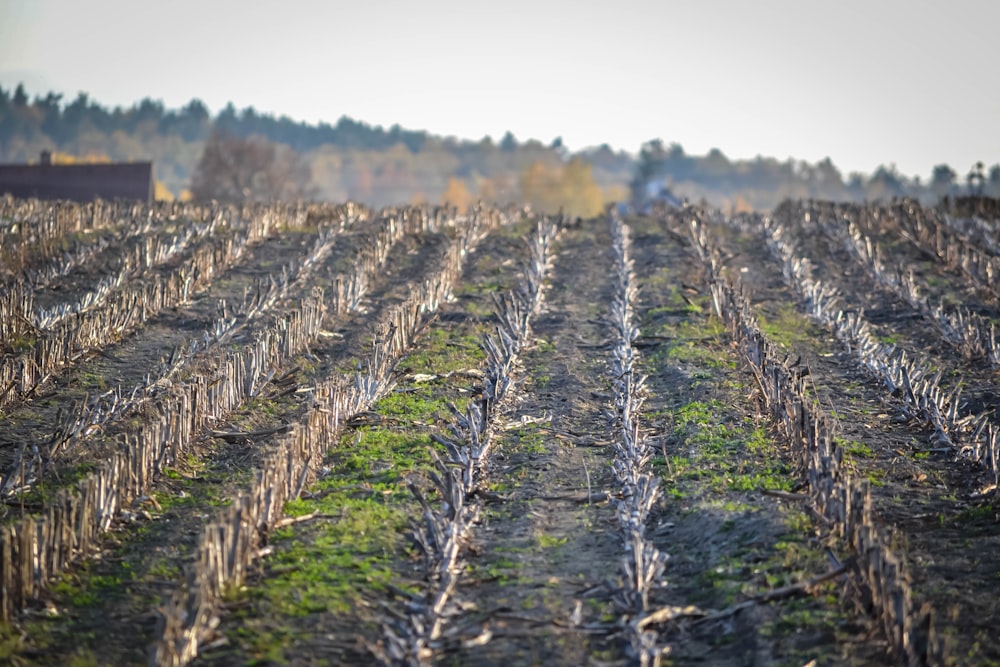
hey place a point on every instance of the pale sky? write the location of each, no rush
(865, 82)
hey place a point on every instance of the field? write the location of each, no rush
(326, 435)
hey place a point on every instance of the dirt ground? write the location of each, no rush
(544, 563)
(755, 575)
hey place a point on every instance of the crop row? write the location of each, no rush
(99, 415)
(643, 564)
(920, 226)
(35, 548)
(411, 635)
(969, 333)
(126, 309)
(230, 543)
(843, 502)
(32, 231)
(907, 376)
(149, 238)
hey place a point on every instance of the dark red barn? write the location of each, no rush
(78, 182)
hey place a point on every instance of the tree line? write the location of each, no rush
(353, 160)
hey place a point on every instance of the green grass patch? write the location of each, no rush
(551, 542)
(351, 551)
(698, 353)
(332, 566)
(737, 456)
(442, 351)
(381, 455)
(21, 344)
(854, 449)
(787, 326)
(422, 402)
(529, 439)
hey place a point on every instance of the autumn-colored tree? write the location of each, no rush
(581, 195)
(616, 193)
(161, 192)
(233, 169)
(541, 186)
(737, 204)
(457, 194)
(568, 187)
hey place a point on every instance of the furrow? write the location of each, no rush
(843, 501)
(140, 371)
(34, 231)
(129, 308)
(230, 543)
(33, 549)
(415, 634)
(542, 563)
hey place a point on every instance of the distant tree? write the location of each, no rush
(716, 168)
(232, 169)
(20, 96)
(828, 182)
(976, 180)
(363, 184)
(227, 118)
(856, 185)
(457, 194)
(885, 183)
(394, 180)
(652, 157)
(487, 190)
(77, 117)
(192, 122)
(49, 108)
(993, 184)
(540, 185)
(942, 180)
(508, 143)
(149, 112)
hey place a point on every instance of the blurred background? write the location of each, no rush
(739, 104)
